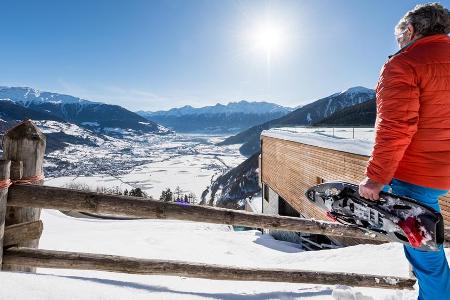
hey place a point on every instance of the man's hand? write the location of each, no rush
(370, 189)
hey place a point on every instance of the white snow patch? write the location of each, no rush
(118, 130)
(163, 129)
(93, 182)
(255, 203)
(67, 128)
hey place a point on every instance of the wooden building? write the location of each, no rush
(292, 162)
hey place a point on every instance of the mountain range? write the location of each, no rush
(230, 118)
(99, 117)
(307, 115)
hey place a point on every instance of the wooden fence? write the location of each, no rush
(20, 227)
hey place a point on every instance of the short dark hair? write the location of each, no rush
(427, 19)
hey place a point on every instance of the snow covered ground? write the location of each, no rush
(195, 242)
(150, 162)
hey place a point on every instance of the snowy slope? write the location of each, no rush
(196, 242)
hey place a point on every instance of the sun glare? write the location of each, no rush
(268, 37)
(267, 40)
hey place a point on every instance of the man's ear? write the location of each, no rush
(411, 31)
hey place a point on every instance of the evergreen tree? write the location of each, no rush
(166, 195)
(137, 192)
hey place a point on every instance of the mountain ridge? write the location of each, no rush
(96, 116)
(219, 108)
(307, 115)
(230, 118)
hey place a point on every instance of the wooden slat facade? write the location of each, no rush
(290, 168)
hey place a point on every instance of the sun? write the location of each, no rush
(268, 37)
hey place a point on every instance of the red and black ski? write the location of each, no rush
(402, 219)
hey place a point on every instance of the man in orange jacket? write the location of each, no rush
(412, 130)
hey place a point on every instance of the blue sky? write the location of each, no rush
(155, 55)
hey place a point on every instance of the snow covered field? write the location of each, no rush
(150, 162)
(195, 242)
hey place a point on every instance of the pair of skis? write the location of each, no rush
(401, 219)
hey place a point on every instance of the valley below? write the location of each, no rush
(150, 162)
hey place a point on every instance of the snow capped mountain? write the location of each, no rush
(338, 101)
(29, 96)
(358, 90)
(232, 117)
(306, 115)
(230, 108)
(363, 114)
(100, 117)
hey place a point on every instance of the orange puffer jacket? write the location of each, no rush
(412, 140)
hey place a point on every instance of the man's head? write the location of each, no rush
(423, 20)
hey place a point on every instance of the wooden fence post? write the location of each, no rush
(4, 178)
(25, 143)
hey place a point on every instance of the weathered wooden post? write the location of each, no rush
(25, 143)
(4, 184)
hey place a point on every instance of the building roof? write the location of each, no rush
(324, 138)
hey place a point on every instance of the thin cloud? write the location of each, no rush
(132, 99)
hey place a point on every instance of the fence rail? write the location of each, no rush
(89, 202)
(112, 263)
